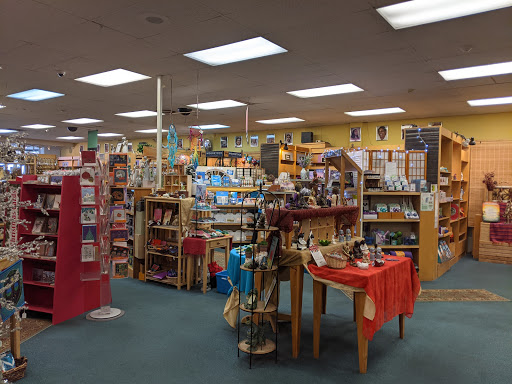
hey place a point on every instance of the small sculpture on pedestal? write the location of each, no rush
(357, 250)
(251, 301)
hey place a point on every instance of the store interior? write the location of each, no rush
(292, 191)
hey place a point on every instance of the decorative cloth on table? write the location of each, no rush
(501, 233)
(284, 220)
(196, 245)
(393, 288)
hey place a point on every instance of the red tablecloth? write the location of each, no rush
(284, 218)
(195, 245)
(501, 233)
(393, 288)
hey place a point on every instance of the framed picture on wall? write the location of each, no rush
(106, 147)
(81, 148)
(271, 139)
(255, 141)
(382, 133)
(223, 141)
(288, 138)
(355, 134)
(180, 144)
(98, 148)
(238, 141)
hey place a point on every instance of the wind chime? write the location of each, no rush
(195, 137)
(172, 140)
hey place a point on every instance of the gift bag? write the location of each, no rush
(231, 308)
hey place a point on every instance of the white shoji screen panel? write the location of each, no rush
(417, 165)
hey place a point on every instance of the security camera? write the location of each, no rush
(72, 129)
(61, 73)
(185, 111)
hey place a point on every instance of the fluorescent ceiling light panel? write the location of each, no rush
(419, 12)
(114, 77)
(35, 95)
(217, 104)
(70, 138)
(492, 101)
(153, 130)
(209, 126)
(478, 71)
(38, 126)
(370, 112)
(109, 134)
(326, 91)
(135, 114)
(240, 51)
(7, 131)
(2, 106)
(82, 120)
(280, 121)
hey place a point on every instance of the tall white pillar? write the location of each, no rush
(159, 132)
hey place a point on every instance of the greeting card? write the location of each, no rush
(88, 215)
(119, 235)
(86, 176)
(89, 233)
(88, 195)
(120, 176)
(88, 252)
(88, 158)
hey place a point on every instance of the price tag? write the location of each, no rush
(317, 256)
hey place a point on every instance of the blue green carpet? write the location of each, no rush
(170, 336)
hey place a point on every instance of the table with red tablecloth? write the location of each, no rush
(195, 247)
(381, 293)
(501, 232)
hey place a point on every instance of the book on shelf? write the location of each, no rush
(157, 215)
(270, 290)
(40, 201)
(37, 275)
(56, 202)
(48, 277)
(119, 269)
(167, 217)
(53, 225)
(50, 200)
(39, 225)
(50, 249)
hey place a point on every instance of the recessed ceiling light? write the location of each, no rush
(70, 138)
(114, 77)
(38, 126)
(217, 104)
(109, 134)
(326, 91)
(478, 71)
(135, 114)
(381, 111)
(153, 130)
(7, 131)
(82, 120)
(209, 126)
(35, 95)
(417, 12)
(280, 121)
(240, 51)
(492, 101)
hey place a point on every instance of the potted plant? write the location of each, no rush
(490, 184)
(303, 163)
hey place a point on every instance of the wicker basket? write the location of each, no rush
(17, 373)
(336, 261)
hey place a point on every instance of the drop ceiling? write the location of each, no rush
(328, 43)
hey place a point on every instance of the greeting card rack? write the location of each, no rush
(68, 296)
(262, 307)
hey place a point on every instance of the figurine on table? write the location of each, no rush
(358, 254)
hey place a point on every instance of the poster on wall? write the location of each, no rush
(382, 133)
(355, 134)
(223, 141)
(238, 141)
(288, 138)
(254, 141)
(271, 139)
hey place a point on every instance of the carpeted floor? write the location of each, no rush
(170, 336)
(451, 295)
(30, 328)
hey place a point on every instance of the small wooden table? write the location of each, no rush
(204, 248)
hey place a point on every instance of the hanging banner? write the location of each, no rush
(235, 155)
(214, 154)
(247, 124)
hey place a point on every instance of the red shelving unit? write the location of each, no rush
(69, 296)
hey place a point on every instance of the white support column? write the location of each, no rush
(159, 132)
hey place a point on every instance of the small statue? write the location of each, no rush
(508, 211)
(310, 239)
(364, 248)
(262, 219)
(345, 249)
(378, 253)
(255, 337)
(357, 250)
(301, 242)
(366, 258)
(333, 239)
(372, 254)
(250, 263)
(264, 264)
(251, 300)
(321, 201)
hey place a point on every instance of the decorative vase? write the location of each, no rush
(304, 174)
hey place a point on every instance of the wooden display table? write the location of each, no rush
(194, 247)
(380, 294)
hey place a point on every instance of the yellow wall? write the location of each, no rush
(485, 127)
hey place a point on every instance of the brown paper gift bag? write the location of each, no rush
(231, 308)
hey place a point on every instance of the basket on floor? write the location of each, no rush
(17, 373)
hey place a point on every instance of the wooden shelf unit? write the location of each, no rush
(139, 228)
(169, 233)
(70, 296)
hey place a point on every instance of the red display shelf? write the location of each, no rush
(42, 258)
(38, 210)
(39, 234)
(69, 296)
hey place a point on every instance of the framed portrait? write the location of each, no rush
(106, 147)
(288, 138)
(180, 144)
(223, 141)
(81, 148)
(130, 147)
(254, 141)
(287, 156)
(382, 133)
(271, 139)
(98, 148)
(355, 134)
(238, 142)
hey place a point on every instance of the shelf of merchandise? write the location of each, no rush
(406, 226)
(172, 182)
(168, 233)
(136, 270)
(455, 157)
(229, 189)
(69, 296)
